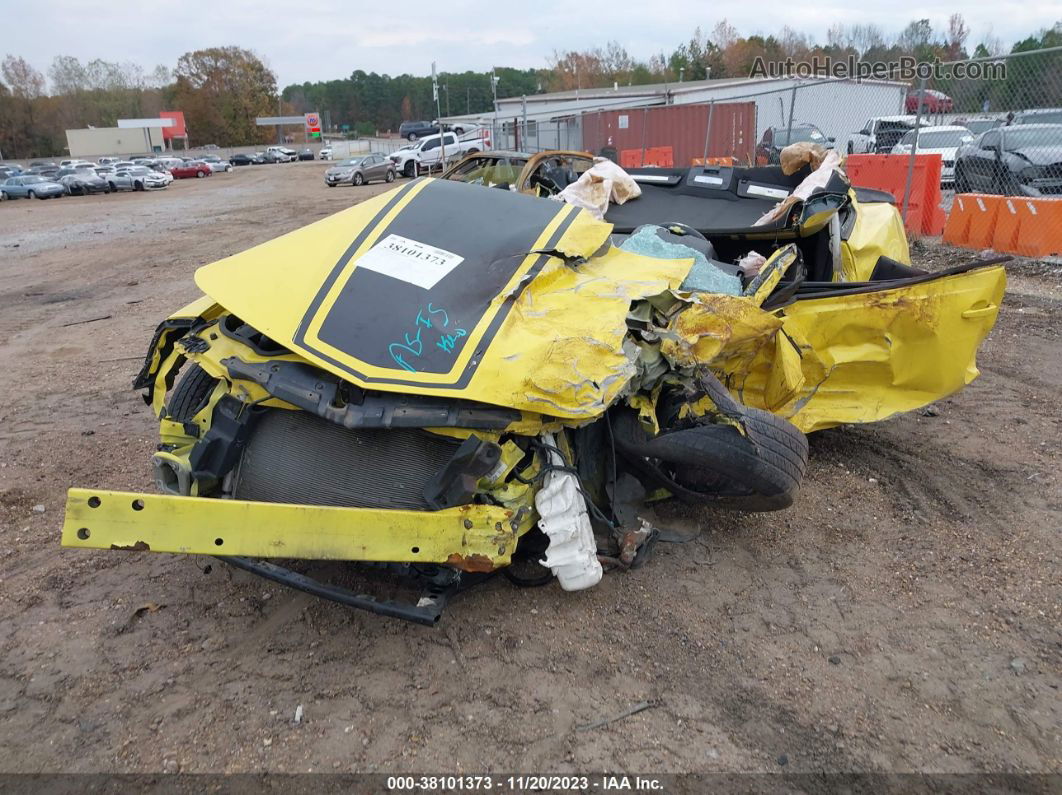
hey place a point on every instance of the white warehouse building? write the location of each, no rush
(838, 107)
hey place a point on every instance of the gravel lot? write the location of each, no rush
(904, 615)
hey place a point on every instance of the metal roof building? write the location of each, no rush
(838, 107)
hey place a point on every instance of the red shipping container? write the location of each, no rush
(681, 128)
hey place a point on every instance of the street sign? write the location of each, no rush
(271, 121)
(312, 121)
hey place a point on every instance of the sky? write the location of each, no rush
(313, 40)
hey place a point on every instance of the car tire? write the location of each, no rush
(390, 175)
(962, 185)
(113, 187)
(330, 184)
(200, 174)
(760, 471)
(411, 137)
(358, 180)
(32, 195)
(411, 169)
(138, 186)
(851, 148)
(191, 394)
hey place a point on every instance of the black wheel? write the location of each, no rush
(138, 186)
(962, 184)
(411, 168)
(758, 472)
(113, 187)
(1003, 183)
(190, 394)
(411, 137)
(31, 195)
(851, 148)
(358, 179)
(390, 175)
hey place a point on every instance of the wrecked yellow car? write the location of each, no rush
(446, 380)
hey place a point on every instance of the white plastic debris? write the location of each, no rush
(751, 263)
(597, 186)
(298, 714)
(572, 551)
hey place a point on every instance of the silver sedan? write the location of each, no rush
(359, 170)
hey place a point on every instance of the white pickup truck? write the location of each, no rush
(879, 135)
(427, 155)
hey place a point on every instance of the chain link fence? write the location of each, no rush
(994, 122)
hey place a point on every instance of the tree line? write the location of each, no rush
(221, 90)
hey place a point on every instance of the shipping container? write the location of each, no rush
(672, 135)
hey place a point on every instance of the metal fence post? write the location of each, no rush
(914, 150)
(708, 130)
(645, 127)
(792, 108)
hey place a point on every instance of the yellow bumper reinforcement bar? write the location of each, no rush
(470, 537)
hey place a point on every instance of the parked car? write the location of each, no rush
(32, 186)
(541, 174)
(81, 181)
(137, 178)
(980, 125)
(107, 161)
(1037, 116)
(6, 172)
(412, 130)
(216, 163)
(880, 134)
(193, 168)
(306, 154)
(42, 163)
(1023, 160)
(932, 101)
(281, 154)
(325, 153)
(48, 172)
(162, 169)
(123, 164)
(241, 159)
(359, 170)
(941, 140)
(775, 139)
(75, 162)
(428, 154)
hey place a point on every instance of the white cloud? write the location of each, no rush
(328, 39)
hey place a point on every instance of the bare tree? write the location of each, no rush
(24, 81)
(67, 75)
(958, 32)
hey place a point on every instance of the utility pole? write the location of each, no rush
(438, 115)
(494, 91)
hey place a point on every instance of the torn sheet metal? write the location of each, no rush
(864, 357)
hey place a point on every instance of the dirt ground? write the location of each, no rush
(903, 616)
